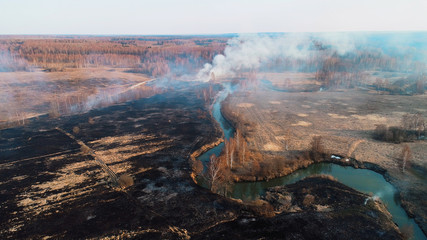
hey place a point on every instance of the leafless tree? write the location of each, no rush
(413, 122)
(243, 152)
(406, 156)
(214, 172)
(316, 148)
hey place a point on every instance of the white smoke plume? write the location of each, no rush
(248, 52)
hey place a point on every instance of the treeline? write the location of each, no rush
(412, 84)
(412, 127)
(153, 56)
(350, 71)
(334, 70)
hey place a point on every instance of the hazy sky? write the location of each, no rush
(209, 16)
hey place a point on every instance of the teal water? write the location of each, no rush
(225, 125)
(363, 180)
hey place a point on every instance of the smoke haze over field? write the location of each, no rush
(250, 52)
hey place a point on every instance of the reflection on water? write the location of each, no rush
(363, 180)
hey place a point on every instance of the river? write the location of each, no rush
(363, 180)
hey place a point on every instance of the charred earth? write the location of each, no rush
(60, 178)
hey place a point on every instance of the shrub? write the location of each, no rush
(397, 135)
(76, 130)
(125, 180)
(380, 132)
(308, 200)
(262, 208)
(391, 134)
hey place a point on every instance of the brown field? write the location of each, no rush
(345, 119)
(70, 74)
(29, 94)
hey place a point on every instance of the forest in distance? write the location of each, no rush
(175, 56)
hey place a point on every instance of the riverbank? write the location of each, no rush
(345, 120)
(314, 208)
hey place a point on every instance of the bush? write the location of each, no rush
(308, 200)
(398, 135)
(380, 132)
(391, 134)
(125, 180)
(76, 130)
(262, 208)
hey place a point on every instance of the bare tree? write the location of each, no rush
(243, 152)
(420, 86)
(232, 147)
(227, 151)
(229, 146)
(380, 132)
(214, 172)
(413, 122)
(316, 148)
(406, 156)
(219, 175)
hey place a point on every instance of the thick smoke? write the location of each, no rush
(249, 52)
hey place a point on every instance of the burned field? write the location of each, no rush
(31, 94)
(314, 208)
(52, 187)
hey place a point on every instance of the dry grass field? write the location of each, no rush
(29, 94)
(341, 117)
(346, 119)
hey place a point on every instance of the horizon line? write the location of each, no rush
(203, 34)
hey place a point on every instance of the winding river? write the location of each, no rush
(363, 180)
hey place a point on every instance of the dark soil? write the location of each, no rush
(342, 215)
(164, 202)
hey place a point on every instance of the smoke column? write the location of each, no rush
(248, 52)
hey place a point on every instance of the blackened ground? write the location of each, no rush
(49, 188)
(313, 208)
(163, 197)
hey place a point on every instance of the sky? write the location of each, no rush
(154, 17)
